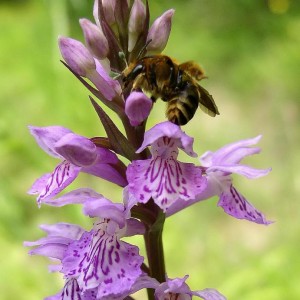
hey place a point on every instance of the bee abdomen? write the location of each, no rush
(181, 109)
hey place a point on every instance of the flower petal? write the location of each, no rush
(211, 189)
(240, 169)
(101, 260)
(108, 87)
(105, 209)
(134, 227)
(176, 288)
(237, 206)
(105, 167)
(70, 231)
(63, 175)
(70, 291)
(77, 149)
(78, 196)
(209, 294)
(230, 154)
(52, 250)
(166, 181)
(39, 185)
(47, 137)
(170, 130)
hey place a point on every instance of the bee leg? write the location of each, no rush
(139, 83)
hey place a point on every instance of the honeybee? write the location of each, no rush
(174, 83)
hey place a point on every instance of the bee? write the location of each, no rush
(176, 84)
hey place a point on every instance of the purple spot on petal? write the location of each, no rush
(146, 189)
(108, 280)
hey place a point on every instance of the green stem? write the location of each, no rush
(153, 218)
(154, 248)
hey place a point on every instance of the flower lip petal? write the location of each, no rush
(237, 206)
(39, 184)
(170, 130)
(63, 175)
(77, 149)
(166, 181)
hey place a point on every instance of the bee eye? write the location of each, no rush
(137, 70)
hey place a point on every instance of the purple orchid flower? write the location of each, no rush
(78, 154)
(162, 177)
(95, 262)
(218, 167)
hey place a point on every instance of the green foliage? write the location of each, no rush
(250, 51)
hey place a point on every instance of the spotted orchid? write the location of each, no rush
(97, 263)
(78, 154)
(162, 177)
(217, 168)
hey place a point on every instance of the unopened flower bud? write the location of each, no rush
(137, 107)
(95, 40)
(159, 32)
(136, 22)
(76, 55)
(109, 10)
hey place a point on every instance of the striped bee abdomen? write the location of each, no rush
(181, 108)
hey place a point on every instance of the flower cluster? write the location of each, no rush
(98, 264)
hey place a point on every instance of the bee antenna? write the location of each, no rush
(122, 56)
(141, 53)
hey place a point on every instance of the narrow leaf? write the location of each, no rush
(118, 141)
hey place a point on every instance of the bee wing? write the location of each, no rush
(192, 69)
(206, 102)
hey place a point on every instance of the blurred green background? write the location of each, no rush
(251, 53)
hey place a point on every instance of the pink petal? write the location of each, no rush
(76, 149)
(165, 180)
(172, 131)
(63, 175)
(237, 206)
(47, 137)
